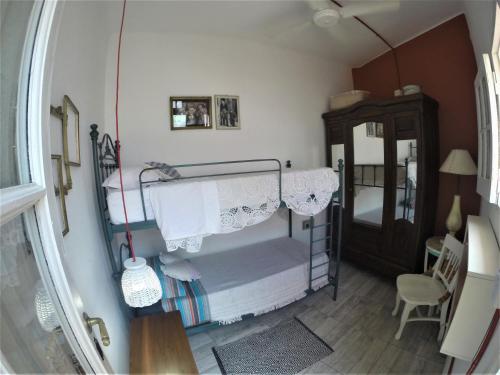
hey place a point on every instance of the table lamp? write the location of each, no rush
(460, 163)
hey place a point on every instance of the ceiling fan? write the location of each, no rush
(328, 14)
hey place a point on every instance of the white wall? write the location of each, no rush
(282, 96)
(79, 72)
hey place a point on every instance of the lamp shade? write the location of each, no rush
(141, 287)
(459, 162)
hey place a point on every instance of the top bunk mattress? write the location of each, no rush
(298, 186)
(133, 202)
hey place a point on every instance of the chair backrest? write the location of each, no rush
(446, 268)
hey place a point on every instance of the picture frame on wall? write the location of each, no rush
(370, 129)
(71, 133)
(190, 112)
(60, 191)
(69, 116)
(227, 112)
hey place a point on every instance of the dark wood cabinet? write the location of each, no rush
(390, 150)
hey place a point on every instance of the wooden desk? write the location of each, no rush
(159, 345)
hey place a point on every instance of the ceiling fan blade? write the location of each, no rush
(292, 30)
(339, 34)
(319, 4)
(372, 7)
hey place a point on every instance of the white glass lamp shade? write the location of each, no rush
(141, 287)
(44, 309)
(459, 162)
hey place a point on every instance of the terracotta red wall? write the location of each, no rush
(442, 62)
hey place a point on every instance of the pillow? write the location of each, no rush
(171, 288)
(130, 178)
(164, 170)
(182, 270)
(167, 258)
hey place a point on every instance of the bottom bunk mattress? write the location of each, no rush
(253, 279)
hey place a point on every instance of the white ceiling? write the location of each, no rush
(278, 22)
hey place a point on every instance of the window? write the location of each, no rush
(36, 335)
(487, 88)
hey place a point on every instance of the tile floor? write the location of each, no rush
(358, 326)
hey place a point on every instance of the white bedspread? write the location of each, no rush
(186, 212)
(257, 278)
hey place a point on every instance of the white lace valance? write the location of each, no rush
(245, 201)
(309, 192)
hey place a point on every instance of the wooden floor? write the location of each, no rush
(358, 326)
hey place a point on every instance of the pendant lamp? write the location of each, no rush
(140, 284)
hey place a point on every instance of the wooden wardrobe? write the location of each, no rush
(390, 149)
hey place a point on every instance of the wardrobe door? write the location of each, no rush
(404, 188)
(366, 181)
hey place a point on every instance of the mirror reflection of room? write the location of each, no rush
(368, 140)
(406, 179)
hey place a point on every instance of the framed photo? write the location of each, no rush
(227, 112)
(71, 133)
(370, 129)
(379, 130)
(190, 112)
(60, 191)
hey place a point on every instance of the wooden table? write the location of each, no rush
(159, 345)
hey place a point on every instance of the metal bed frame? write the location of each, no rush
(408, 188)
(105, 163)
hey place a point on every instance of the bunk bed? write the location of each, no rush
(238, 283)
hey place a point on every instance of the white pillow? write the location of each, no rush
(130, 178)
(181, 270)
(167, 258)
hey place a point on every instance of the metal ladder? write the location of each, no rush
(332, 279)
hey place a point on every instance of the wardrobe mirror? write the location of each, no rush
(338, 153)
(368, 141)
(406, 181)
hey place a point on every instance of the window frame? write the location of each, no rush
(495, 61)
(35, 175)
(488, 131)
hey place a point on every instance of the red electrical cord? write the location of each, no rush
(118, 146)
